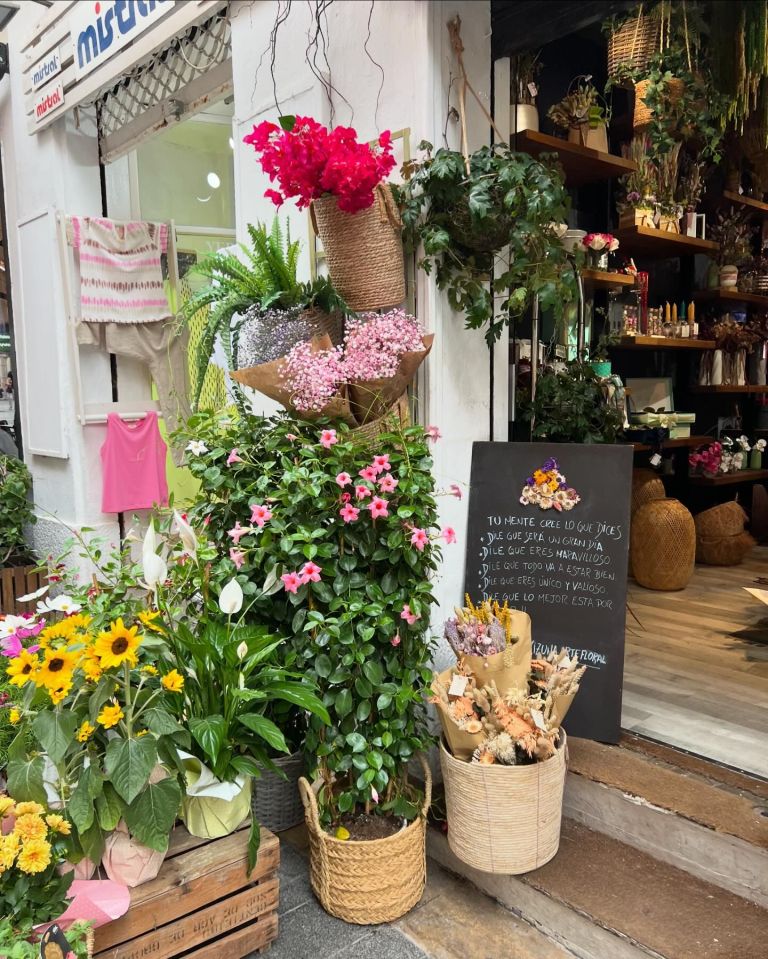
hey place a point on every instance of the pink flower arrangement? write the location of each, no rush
(237, 532)
(449, 535)
(237, 556)
(601, 242)
(381, 463)
(388, 483)
(375, 342)
(349, 513)
(343, 479)
(455, 490)
(368, 473)
(308, 161)
(291, 581)
(328, 438)
(313, 378)
(707, 459)
(433, 433)
(233, 457)
(419, 539)
(361, 492)
(310, 573)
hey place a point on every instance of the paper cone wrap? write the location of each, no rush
(211, 808)
(509, 669)
(128, 861)
(372, 399)
(461, 743)
(560, 705)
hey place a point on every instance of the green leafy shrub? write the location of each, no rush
(15, 511)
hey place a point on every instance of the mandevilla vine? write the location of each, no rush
(349, 524)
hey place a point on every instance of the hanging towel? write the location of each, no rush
(120, 276)
(133, 465)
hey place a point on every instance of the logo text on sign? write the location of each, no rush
(49, 101)
(101, 29)
(46, 68)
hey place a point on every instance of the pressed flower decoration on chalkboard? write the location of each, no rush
(547, 489)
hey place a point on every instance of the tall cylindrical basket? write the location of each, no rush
(504, 819)
(276, 802)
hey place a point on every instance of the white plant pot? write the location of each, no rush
(526, 116)
(716, 374)
(729, 276)
(571, 239)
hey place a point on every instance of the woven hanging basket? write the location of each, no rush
(368, 882)
(276, 802)
(504, 819)
(646, 487)
(662, 545)
(633, 44)
(643, 114)
(721, 539)
(364, 250)
(396, 418)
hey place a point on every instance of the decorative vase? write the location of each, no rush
(729, 276)
(526, 117)
(740, 367)
(212, 808)
(128, 861)
(597, 259)
(601, 367)
(713, 276)
(689, 223)
(745, 456)
(595, 138)
(716, 370)
(755, 460)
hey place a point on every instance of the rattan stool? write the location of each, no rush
(662, 545)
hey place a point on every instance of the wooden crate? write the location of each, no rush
(202, 904)
(18, 581)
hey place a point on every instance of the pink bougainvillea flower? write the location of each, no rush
(237, 556)
(310, 572)
(328, 438)
(419, 539)
(378, 507)
(369, 473)
(362, 491)
(349, 513)
(237, 532)
(233, 457)
(260, 514)
(408, 616)
(433, 433)
(388, 483)
(381, 463)
(449, 534)
(275, 197)
(455, 490)
(343, 479)
(291, 581)
(395, 641)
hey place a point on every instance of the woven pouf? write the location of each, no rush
(662, 545)
(721, 539)
(646, 487)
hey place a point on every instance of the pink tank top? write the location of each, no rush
(133, 465)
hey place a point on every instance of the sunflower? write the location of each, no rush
(149, 669)
(35, 856)
(58, 695)
(64, 630)
(58, 824)
(14, 717)
(91, 665)
(30, 827)
(79, 621)
(173, 681)
(56, 668)
(85, 732)
(22, 668)
(29, 809)
(110, 715)
(118, 645)
(147, 618)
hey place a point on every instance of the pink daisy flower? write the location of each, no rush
(408, 616)
(361, 492)
(291, 581)
(343, 479)
(237, 556)
(260, 515)
(349, 513)
(369, 473)
(378, 507)
(419, 539)
(328, 438)
(381, 463)
(388, 483)
(310, 572)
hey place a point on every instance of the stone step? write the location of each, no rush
(687, 812)
(604, 899)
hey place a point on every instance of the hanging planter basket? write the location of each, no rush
(483, 236)
(364, 250)
(643, 115)
(373, 881)
(504, 819)
(633, 44)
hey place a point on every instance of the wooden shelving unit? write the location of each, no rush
(757, 205)
(729, 389)
(603, 279)
(662, 343)
(730, 479)
(581, 164)
(682, 441)
(646, 241)
(723, 295)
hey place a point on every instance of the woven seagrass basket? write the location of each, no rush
(397, 417)
(368, 882)
(662, 545)
(721, 539)
(364, 250)
(276, 802)
(643, 114)
(646, 487)
(633, 44)
(504, 819)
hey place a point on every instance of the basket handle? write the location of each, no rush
(313, 218)
(388, 210)
(427, 785)
(309, 800)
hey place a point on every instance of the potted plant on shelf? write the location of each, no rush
(597, 246)
(584, 114)
(668, 207)
(525, 68)
(732, 231)
(16, 516)
(639, 188)
(690, 188)
(353, 210)
(462, 212)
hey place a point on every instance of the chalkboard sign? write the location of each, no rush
(549, 532)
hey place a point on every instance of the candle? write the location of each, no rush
(667, 314)
(691, 312)
(674, 312)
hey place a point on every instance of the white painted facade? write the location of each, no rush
(58, 167)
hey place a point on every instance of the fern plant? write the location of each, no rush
(265, 279)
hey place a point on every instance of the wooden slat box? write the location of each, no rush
(202, 905)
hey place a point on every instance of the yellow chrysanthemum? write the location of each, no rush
(59, 695)
(58, 824)
(22, 668)
(147, 618)
(149, 669)
(30, 827)
(56, 668)
(110, 716)
(14, 717)
(29, 809)
(6, 805)
(9, 846)
(117, 645)
(85, 732)
(35, 856)
(173, 681)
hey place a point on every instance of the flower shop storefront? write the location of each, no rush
(365, 577)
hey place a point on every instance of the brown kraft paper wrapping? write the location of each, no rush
(511, 668)
(461, 743)
(372, 399)
(560, 706)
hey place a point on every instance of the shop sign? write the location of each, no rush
(50, 100)
(548, 532)
(45, 69)
(102, 28)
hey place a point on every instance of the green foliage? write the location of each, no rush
(18, 941)
(463, 220)
(346, 630)
(569, 407)
(15, 510)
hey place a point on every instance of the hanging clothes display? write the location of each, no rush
(133, 465)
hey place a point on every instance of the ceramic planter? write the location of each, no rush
(595, 138)
(571, 239)
(526, 117)
(755, 460)
(729, 276)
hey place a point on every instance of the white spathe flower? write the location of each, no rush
(155, 570)
(28, 597)
(231, 598)
(197, 447)
(63, 604)
(187, 534)
(242, 650)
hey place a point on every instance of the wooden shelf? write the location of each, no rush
(602, 279)
(646, 241)
(581, 164)
(674, 444)
(730, 479)
(729, 389)
(731, 296)
(757, 205)
(662, 343)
